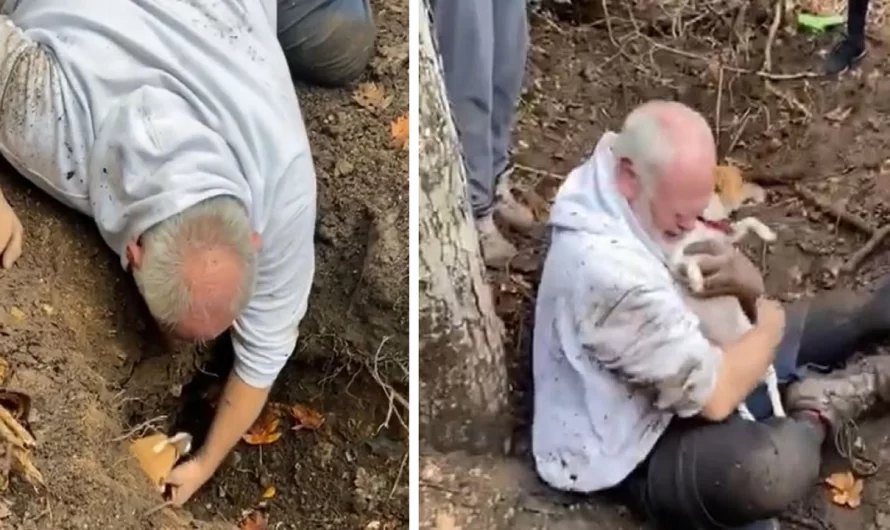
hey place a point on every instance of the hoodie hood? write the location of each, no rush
(589, 200)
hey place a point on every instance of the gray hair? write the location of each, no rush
(644, 142)
(217, 223)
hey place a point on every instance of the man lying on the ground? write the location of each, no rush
(176, 127)
(629, 395)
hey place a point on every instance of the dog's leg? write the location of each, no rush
(745, 413)
(741, 228)
(772, 387)
(694, 277)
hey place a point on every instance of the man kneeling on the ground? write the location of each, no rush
(176, 127)
(630, 396)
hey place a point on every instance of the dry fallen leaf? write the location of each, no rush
(307, 418)
(269, 493)
(400, 132)
(155, 465)
(4, 371)
(846, 490)
(372, 97)
(254, 521)
(265, 429)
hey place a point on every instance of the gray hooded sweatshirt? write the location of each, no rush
(617, 353)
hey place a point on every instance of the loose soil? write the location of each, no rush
(79, 341)
(812, 137)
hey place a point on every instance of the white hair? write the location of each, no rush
(644, 142)
(216, 223)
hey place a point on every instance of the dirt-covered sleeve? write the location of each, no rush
(645, 335)
(265, 334)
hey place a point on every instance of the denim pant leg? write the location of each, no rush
(465, 38)
(510, 54)
(328, 42)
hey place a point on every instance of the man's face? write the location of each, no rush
(669, 207)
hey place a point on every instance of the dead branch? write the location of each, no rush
(20, 432)
(840, 214)
(859, 256)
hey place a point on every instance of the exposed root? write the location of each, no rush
(859, 256)
(396, 400)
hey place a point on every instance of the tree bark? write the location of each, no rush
(463, 371)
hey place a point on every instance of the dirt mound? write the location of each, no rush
(74, 331)
(819, 145)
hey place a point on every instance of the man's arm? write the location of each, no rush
(647, 336)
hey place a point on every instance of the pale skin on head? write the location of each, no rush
(213, 274)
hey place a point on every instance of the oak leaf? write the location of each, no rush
(266, 428)
(306, 417)
(846, 490)
(400, 132)
(255, 520)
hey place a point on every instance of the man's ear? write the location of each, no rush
(134, 254)
(628, 182)
(255, 241)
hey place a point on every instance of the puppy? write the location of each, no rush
(722, 318)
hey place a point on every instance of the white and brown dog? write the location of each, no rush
(723, 320)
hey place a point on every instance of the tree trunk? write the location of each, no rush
(463, 371)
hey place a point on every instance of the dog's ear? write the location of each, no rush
(729, 187)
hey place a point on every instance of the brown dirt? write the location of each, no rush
(580, 85)
(96, 368)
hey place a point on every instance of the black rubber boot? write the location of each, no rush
(839, 322)
(767, 524)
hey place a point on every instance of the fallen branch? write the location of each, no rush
(856, 259)
(540, 172)
(848, 218)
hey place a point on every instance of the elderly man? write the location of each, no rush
(629, 395)
(176, 127)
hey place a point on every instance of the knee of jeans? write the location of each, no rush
(330, 48)
(779, 469)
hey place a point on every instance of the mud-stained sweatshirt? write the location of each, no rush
(156, 105)
(617, 353)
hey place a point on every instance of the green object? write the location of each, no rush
(818, 23)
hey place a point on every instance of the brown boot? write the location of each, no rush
(845, 394)
(496, 250)
(518, 216)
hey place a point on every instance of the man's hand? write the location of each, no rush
(10, 234)
(187, 478)
(727, 271)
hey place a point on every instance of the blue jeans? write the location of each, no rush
(326, 42)
(483, 44)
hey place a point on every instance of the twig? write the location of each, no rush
(848, 218)
(141, 427)
(540, 172)
(771, 37)
(395, 484)
(738, 134)
(856, 259)
(156, 509)
(391, 393)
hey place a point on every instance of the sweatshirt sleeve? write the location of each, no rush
(265, 334)
(645, 334)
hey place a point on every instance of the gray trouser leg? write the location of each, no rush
(510, 53)
(464, 33)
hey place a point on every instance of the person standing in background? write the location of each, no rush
(850, 51)
(484, 45)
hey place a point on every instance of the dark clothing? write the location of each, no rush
(857, 12)
(704, 475)
(326, 42)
